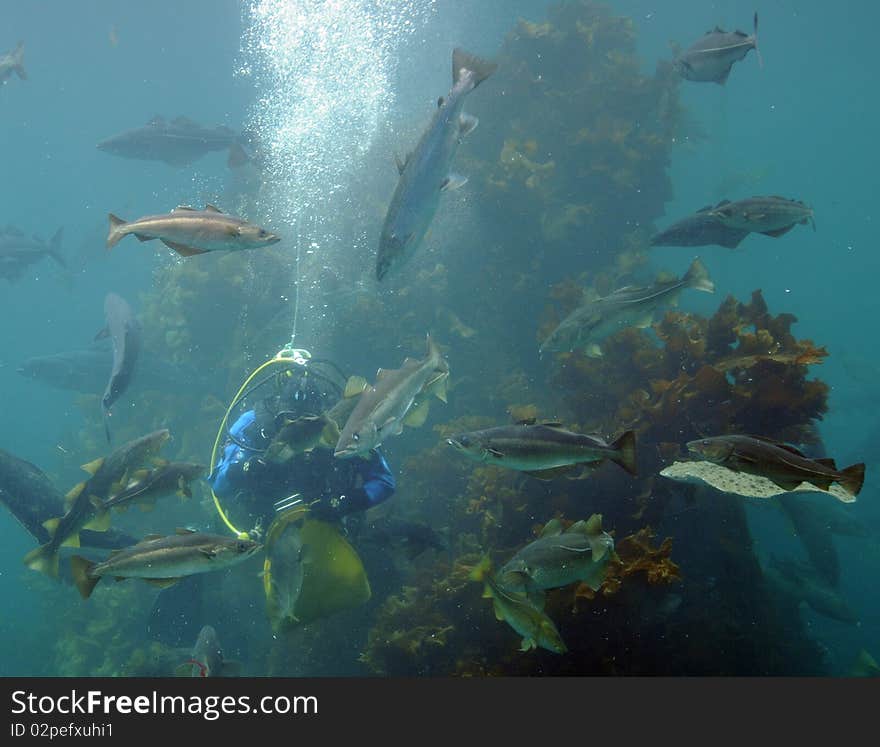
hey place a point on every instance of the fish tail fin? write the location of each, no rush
(481, 570)
(117, 230)
(479, 68)
(80, 569)
(18, 57)
(238, 156)
(625, 446)
(44, 559)
(698, 277)
(755, 35)
(852, 478)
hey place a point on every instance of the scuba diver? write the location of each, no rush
(260, 490)
(332, 488)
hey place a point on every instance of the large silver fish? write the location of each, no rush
(177, 143)
(544, 450)
(700, 229)
(398, 398)
(772, 215)
(165, 560)
(189, 231)
(425, 174)
(630, 306)
(18, 252)
(124, 331)
(13, 62)
(710, 58)
(558, 558)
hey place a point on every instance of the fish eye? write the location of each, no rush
(262, 233)
(243, 546)
(356, 437)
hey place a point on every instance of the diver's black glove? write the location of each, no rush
(333, 509)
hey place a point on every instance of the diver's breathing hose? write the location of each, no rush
(285, 355)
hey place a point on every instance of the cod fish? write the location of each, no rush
(163, 561)
(13, 62)
(772, 216)
(630, 306)
(560, 557)
(84, 502)
(399, 397)
(544, 450)
(207, 658)
(179, 142)
(710, 58)
(424, 174)
(124, 331)
(146, 485)
(780, 463)
(85, 370)
(189, 231)
(521, 612)
(700, 229)
(32, 498)
(18, 252)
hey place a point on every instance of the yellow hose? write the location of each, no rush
(285, 355)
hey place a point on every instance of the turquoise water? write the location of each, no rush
(334, 89)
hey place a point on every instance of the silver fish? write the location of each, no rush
(772, 215)
(179, 142)
(398, 398)
(124, 331)
(165, 560)
(189, 231)
(630, 306)
(700, 229)
(710, 59)
(544, 450)
(424, 175)
(18, 252)
(559, 558)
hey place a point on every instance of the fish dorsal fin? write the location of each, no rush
(152, 538)
(184, 531)
(182, 208)
(552, 528)
(705, 209)
(209, 208)
(93, 466)
(552, 424)
(355, 386)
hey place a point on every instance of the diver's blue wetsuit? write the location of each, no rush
(341, 486)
